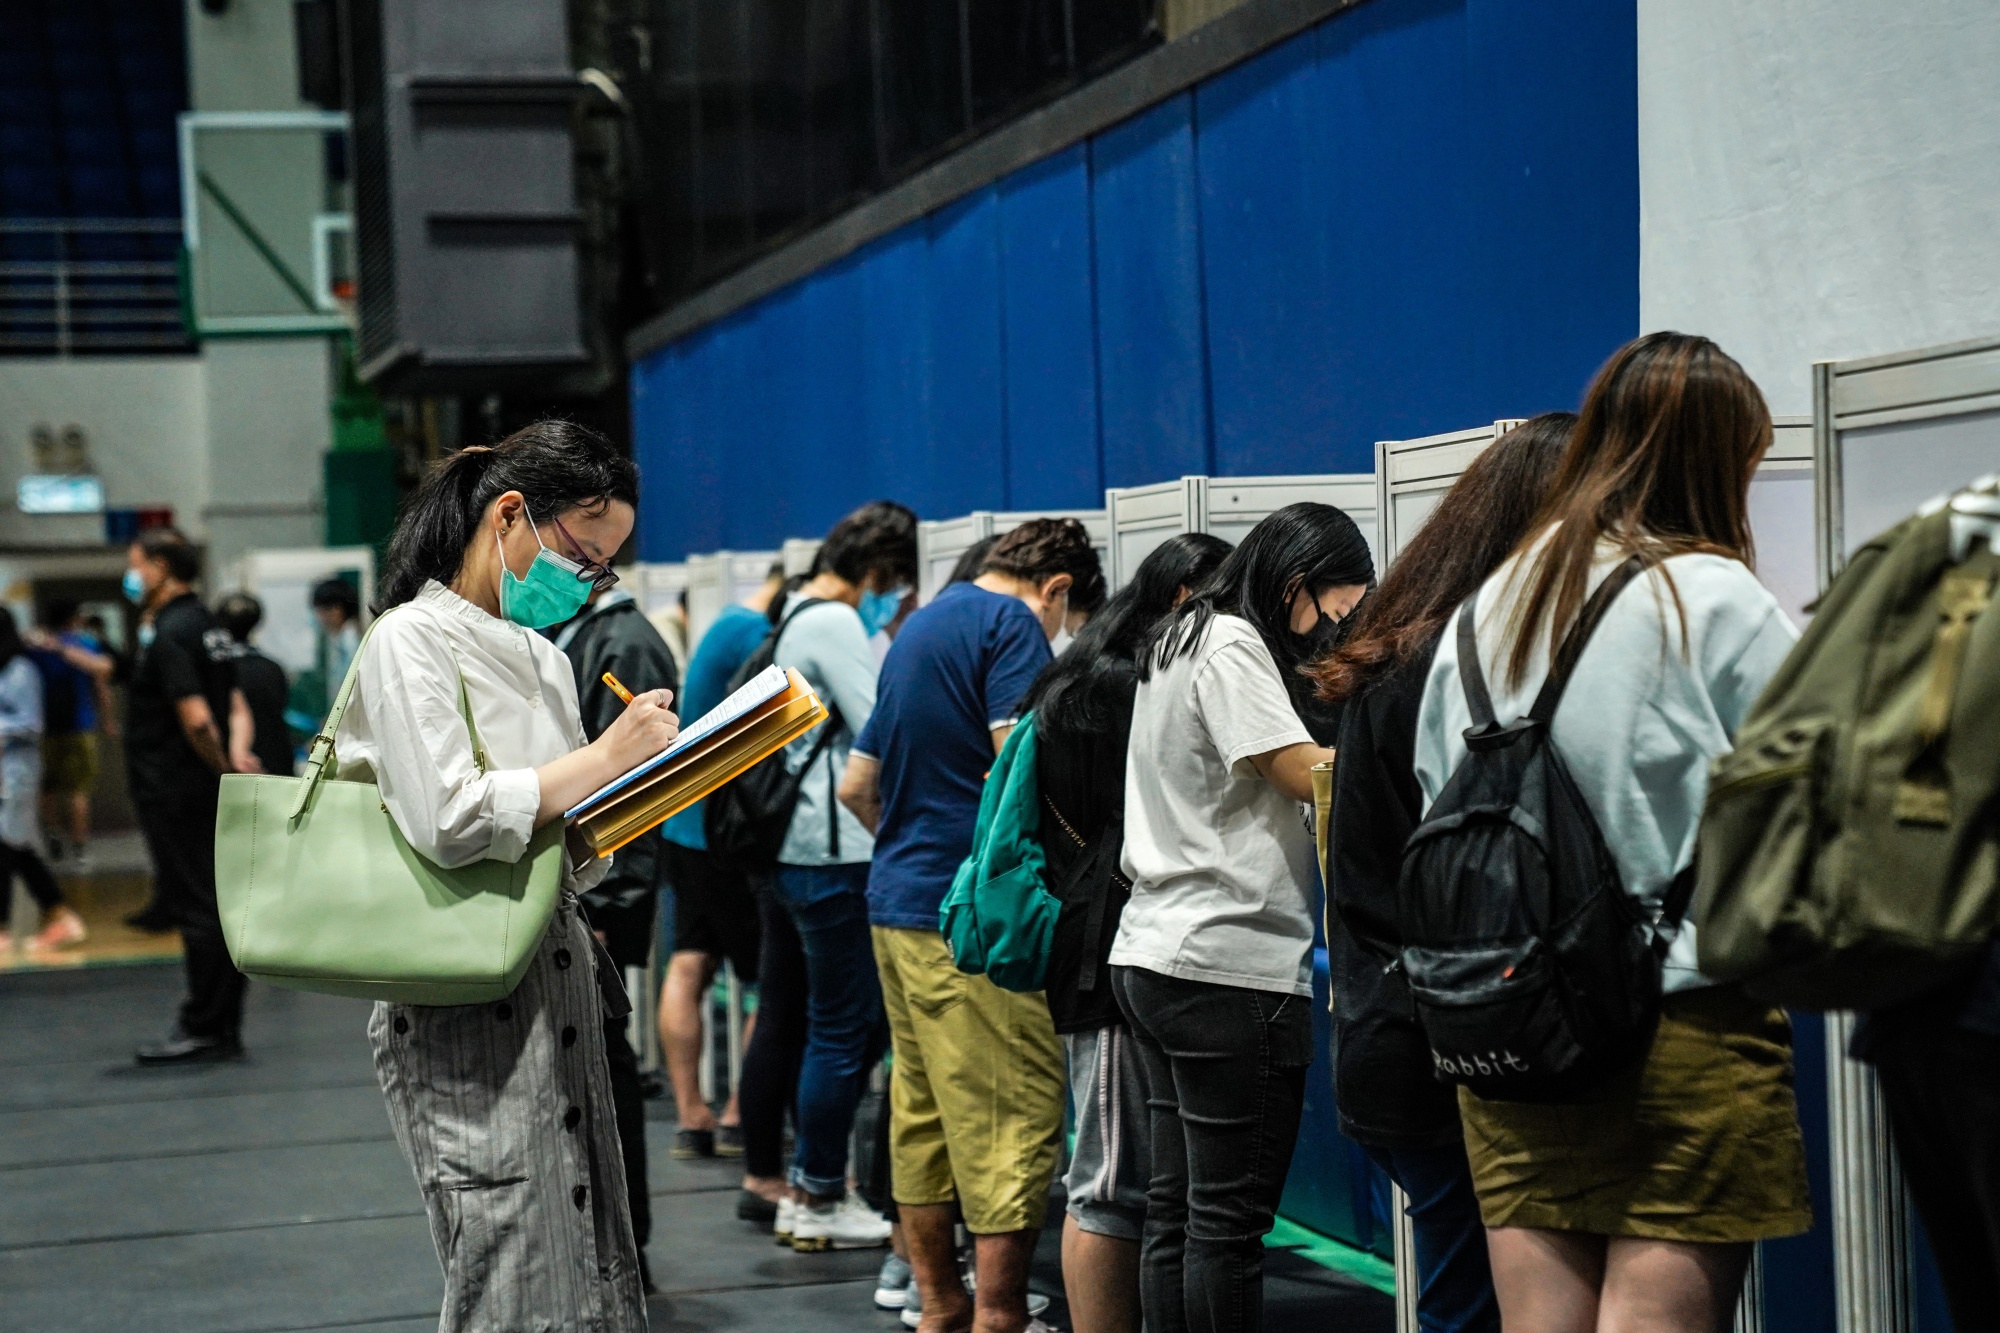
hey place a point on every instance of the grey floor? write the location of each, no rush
(269, 1195)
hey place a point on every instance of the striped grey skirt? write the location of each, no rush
(504, 1113)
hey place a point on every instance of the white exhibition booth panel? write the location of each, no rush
(655, 586)
(283, 579)
(1143, 517)
(719, 578)
(798, 554)
(1889, 434)
(941, 542)
(1412, 475)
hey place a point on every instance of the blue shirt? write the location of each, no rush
(958, 668)
(727, 645)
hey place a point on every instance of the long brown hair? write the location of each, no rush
(1659, 465)
(1477, 522)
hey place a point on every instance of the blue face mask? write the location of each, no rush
(554, 591)
(135, 587)
(879, 608)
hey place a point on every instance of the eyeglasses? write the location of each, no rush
(594, 572)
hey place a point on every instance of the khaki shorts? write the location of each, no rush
(1700, 1143)
(69, 763)
(976, 1092)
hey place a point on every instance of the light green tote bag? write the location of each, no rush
(319, 890)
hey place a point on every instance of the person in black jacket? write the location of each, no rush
(614, 635)
(1389, 1099)
(1083, 717)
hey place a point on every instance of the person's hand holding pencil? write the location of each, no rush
(645, 728)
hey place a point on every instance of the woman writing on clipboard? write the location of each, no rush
(504, 1110)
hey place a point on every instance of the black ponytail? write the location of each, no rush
(556, 465)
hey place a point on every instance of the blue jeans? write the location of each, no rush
(1454, 1284)
(846, 1028)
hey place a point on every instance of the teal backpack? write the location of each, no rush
(1000, 918)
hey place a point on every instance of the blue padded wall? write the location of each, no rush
(1419, 215)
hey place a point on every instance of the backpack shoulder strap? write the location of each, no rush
(1578, 637)
(1470, 674)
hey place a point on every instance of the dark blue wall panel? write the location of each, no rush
(1267, 206)
(966, 466)
(1420, 215)
(1151, 344)
(1050, 336)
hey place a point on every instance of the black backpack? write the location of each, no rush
(1535, 974)
(745, 820)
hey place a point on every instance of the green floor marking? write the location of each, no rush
(1327, 1252)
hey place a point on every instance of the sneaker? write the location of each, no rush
(894, 1283)
(729, 1140)
(65, 930)
(786, 1219)
(913, 1305)
(692, 1145)
(847, 1225)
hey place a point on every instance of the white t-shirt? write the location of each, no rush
(1644, 714)
(1220, 861)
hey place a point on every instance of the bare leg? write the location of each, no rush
(1547, 1281)
(688, 978)
(79, 818)
(1666, 1286)
(1101, 1275)
(1001, 1262)
(729, 1113)
(928, 1232)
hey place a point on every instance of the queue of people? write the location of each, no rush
(1587, 582)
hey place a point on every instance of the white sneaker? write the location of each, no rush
(892, 1284)
(781, 1226)
(847, 1225)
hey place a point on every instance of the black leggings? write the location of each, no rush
(771, 1065)
(34, 872)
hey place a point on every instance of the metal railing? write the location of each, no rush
(80, 285)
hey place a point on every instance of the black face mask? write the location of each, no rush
(1326, 635)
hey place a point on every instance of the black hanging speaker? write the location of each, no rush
(467, 230)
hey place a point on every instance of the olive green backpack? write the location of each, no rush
(1850, 850)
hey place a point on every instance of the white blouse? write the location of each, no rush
(403, 729)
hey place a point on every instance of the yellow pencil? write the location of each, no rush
(618, 689)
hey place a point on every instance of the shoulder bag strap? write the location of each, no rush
(320, 757)
(1578, 637)
(1470, 674)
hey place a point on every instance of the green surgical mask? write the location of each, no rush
(554, 591)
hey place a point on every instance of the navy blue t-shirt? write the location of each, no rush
(958, 668)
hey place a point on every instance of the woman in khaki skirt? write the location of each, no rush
(1636, 1206)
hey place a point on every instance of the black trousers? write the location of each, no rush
(35, 874)
(179, 827)
(628, 1101)
(1941, 1085)
(1224, 1070)
(771, 1065)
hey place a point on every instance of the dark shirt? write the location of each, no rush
(958, 668)
(1384, 1086)
(618, 638)
(176, 665)
(265, 689)
(1082, 775)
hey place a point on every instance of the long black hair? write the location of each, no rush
(1304, 545)
(555, 465)
(1075, 694)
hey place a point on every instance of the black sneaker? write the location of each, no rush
(693, 1144)
(181, 1049)
(729, 1140)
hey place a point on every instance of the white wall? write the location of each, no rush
(268, 432)
(1819, 179)
(147, 418)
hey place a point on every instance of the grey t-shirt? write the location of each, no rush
(827, 645)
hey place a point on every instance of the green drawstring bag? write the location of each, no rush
(1000, 918)
(320, 891)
